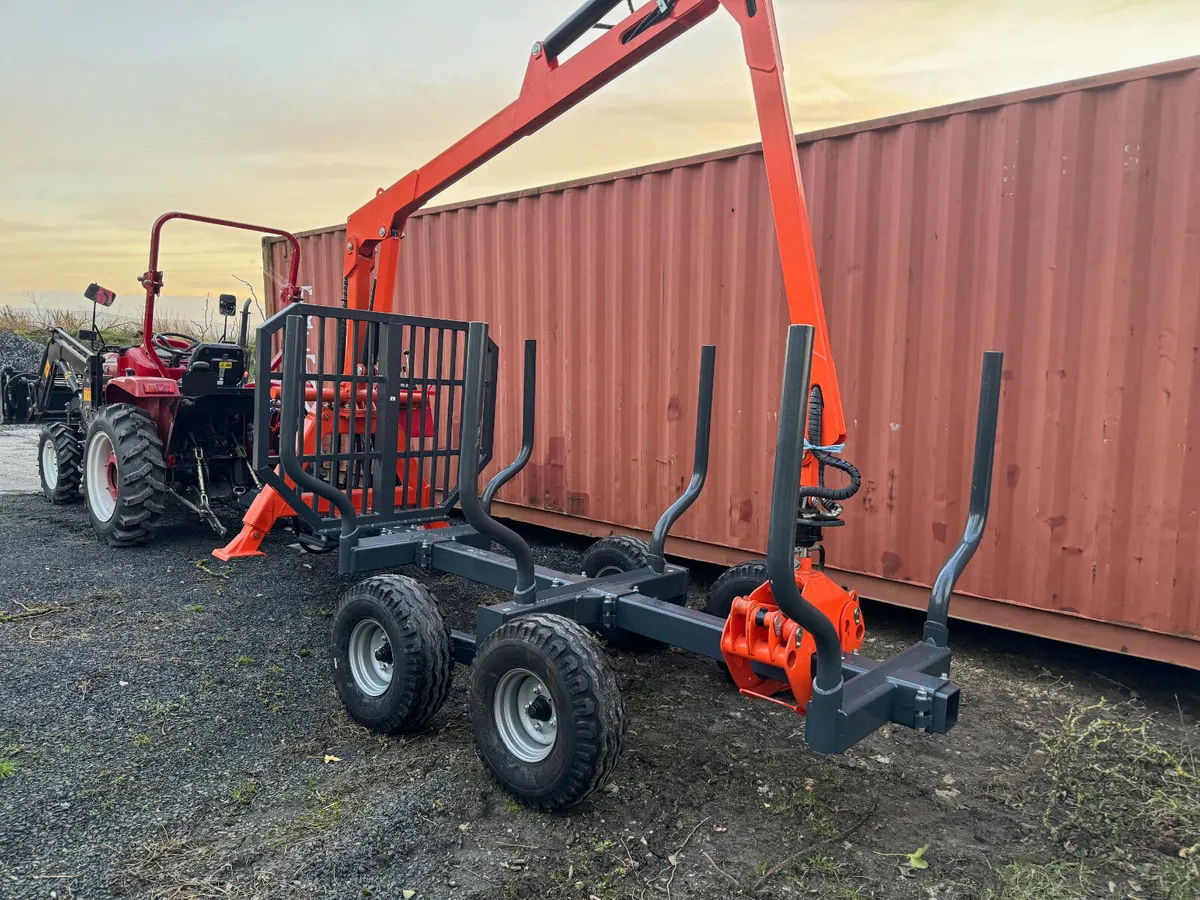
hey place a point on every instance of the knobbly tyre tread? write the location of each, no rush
(68, 451)
(733, 583)
(417, 693)
(142, 466)
(572, 660)
(626, 553)
(621, 550)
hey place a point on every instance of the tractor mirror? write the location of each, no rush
(99, 295)
(228, 305)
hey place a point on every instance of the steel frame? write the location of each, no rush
(852, 695)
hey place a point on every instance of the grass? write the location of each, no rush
(1124, 803)
(243, 660)
(37, 321)
(141, 740)
(1036, 881)
(8, 766)
(244, 794)
(194, 608)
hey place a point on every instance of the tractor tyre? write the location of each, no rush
(391, 654)
(740, 581)
(124, 475)
(610, 556)
(60, 458)
(546, 711)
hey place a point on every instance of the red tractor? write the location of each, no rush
(126, 426)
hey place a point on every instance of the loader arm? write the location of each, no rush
(551, 87)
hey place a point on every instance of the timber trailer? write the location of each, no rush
(128, 426)
(386, 422)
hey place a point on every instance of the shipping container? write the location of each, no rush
(1060, 225)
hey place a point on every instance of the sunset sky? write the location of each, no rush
(293, 113)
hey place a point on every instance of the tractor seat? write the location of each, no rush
(213, 367)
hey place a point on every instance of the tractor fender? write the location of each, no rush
(159, 397)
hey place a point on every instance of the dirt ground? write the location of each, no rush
(168, 728)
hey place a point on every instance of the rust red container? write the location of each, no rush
(1061, 225)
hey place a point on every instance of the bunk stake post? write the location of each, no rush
(937, 631)
(509, 472)
(468, 467)
(658, 540)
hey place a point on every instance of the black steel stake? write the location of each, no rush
(468, 466)
(509, 472)
(936, 629)
(667, 520)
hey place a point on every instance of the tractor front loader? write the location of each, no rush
(127, 426)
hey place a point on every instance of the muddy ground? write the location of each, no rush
(168, 728)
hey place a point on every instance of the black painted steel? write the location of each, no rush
(662, 528)
(384, 402)
(470, 465)
(577, 25)
(509, 472)
(936, 628)
(785, 493)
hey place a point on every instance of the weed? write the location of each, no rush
(8, 767)
(221, 639)
(244, 794)
(243, 660)
(1039, 881)
(276, 669)
(141, 740)
(304, 654)
(159, 711)
(194, 608)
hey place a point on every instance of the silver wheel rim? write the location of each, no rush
(50, 464)
(368, 643)
(525, 715)
(101, 483)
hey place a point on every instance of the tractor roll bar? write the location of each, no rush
(936, 630)
(152, 278)
(577, 25)
(781, 536)
(290, 401)
(509, 472)
(468, 465)
(658, 540)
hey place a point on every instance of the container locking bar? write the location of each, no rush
(658, 540)
(509, 472)
(468, 465)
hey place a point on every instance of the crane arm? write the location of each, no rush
(551, 87)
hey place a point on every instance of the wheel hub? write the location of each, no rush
(525, 716)
(101, 476)
(371, 661)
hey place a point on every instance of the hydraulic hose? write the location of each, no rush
(816, 408)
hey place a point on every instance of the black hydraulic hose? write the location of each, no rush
(936, 627)
(816, 408)
(785, 495)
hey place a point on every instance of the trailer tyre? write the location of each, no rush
(740, 581)
(60, 458)
(124, 475)
(546, 711)
(610, 556)
(391, 654)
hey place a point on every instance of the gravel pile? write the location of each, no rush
(19, 352)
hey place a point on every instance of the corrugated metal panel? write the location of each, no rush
(1061, 226)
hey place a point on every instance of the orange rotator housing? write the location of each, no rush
(758, 632)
